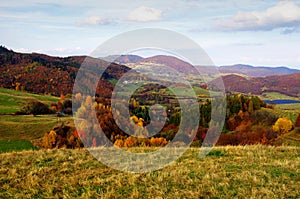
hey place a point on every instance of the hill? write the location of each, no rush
(123, 59)
(252, 71)
(43, 74)
(284, 84)
(186, 68)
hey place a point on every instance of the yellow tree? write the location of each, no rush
(282, 125)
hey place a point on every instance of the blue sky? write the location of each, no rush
(256, 32)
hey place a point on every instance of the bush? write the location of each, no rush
(35, 108)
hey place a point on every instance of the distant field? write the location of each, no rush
(11, 100)
(27, 127)
(290, 114)
(295, 106)
(274, 96)
(228, 172)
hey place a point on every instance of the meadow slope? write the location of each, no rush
(228, 172)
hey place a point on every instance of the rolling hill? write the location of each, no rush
(252, 71)
(39, 73)
(187, 68)
(43, 74)
(284, 84)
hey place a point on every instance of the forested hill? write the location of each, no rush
(43, 74)
(284, 84)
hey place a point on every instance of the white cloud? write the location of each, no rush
(65, 51)
(22, 50)
(285, 14)
(96, 20)
(144, 14)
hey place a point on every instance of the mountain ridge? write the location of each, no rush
(185, 67)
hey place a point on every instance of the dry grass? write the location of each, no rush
(229, 172)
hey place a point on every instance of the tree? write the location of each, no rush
(297, 124)
(282, 125)
(250, 107)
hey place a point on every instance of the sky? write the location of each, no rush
(255, 32)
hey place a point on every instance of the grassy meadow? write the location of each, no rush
(227, 172)
(18, 132)
(11, 100)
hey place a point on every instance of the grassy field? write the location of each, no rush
(16, 145)
(229, 172)
(289, 139)
(276, 96)
(295, 106)
(290, 114)
(11, 100)
(28, 127)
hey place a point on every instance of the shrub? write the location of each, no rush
(35, 108)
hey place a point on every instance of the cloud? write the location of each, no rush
(96, 20)
(65, 51)
(285, 14)
(144, 14)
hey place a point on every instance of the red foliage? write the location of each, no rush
(94, 143)
(82, 135)
(76, 134)
(297, 124)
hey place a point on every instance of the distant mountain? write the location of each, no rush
(173, 62)
(285, 84)
(39, 73)
(123, 59)
(186, 68)
(252, 71)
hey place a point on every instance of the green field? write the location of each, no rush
(290, 114)
(276, 96)
(229, 172)
(20, 130)
(11, 100)
(295, 106)
(28, 127)
(16, 145)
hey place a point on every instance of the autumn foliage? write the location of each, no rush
(62, 137)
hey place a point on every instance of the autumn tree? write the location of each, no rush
(297, 124)
(282, 125)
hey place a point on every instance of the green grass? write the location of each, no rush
(295, 106)
(290, 114)
(27, 127)
(16, 145)
(276, 96)
(11, 100)
(240, 172)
